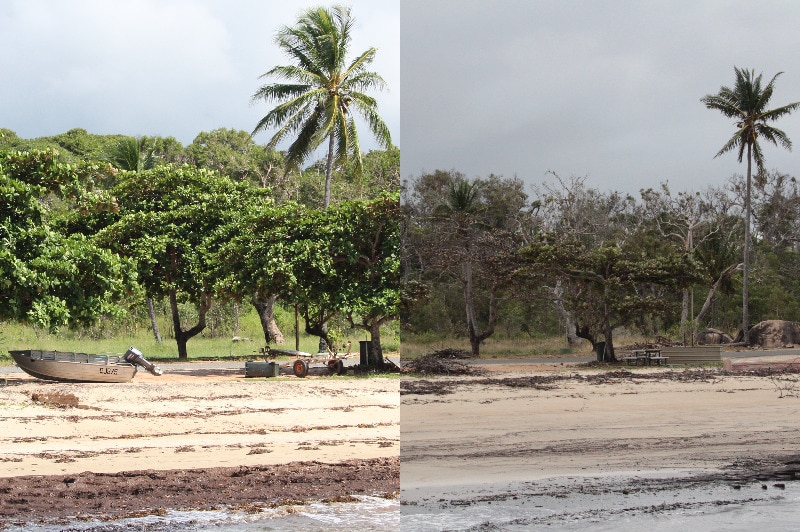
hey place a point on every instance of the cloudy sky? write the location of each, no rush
(607, 89)
(163, 67)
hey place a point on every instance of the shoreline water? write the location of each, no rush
(529, 447)
(656, 501)
(359, 513)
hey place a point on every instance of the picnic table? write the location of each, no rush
(646, 357)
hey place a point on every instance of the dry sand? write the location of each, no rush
(204, 424)
(525, 423)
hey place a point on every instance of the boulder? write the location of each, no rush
(774, 333)
(713, 337)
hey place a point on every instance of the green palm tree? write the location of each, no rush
(321, 91)
(746, 102)
(133, 154)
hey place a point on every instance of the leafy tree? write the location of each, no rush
(746, 102)
(133, 154)
(234, 154)
(136, 155)
(343, 260)
(381, 173)
(322, 92)
(367, 259)
(610, 286)
(567, 207)
(47, 277)
(164, 221)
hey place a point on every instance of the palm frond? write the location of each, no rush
(367, 109)
(364, 81)
(360, 63)
(319, 88)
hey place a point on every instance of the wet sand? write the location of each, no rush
(464, 437)
(205, 439)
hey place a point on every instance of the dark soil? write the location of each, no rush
(87, 495)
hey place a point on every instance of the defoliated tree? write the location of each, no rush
(322, 92)
(462, 234)
(746, 103)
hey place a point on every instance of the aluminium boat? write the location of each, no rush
(82, 367)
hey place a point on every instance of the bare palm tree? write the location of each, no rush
(321, 91)
(746, 102)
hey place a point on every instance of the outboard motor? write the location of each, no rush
(134, 356)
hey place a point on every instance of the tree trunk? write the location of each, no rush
(326, 199)
(266, 313)
(573, 340)
(746, 270)
(584, 332)
(316, 321)
(376, 350)
(603, 350)
(476, 337)
(684, 312)
(712, 292)
(153, 323)
(609, 345)
(182, 337)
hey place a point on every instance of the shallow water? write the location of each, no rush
(604, 504)
(368, 514)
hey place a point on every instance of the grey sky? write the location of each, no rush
(605, 89)
(163, 67)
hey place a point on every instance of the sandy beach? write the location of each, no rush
(193, 439)
(545, 426)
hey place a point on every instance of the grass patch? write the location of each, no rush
(19, 336)
(414, 346)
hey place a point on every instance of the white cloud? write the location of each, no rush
(158, 67)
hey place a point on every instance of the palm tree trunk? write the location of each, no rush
(326, 200)
(746, 269)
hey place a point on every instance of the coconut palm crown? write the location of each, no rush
(320, 91)
(746, 102)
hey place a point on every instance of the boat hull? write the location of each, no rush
(73, 367)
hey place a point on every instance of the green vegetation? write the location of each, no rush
(94, 228)
(216, 344)
(321, 92)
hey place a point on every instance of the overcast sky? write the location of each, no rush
(605, 89)
(164, 67)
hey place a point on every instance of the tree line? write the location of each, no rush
(482, 255)
(85, 239)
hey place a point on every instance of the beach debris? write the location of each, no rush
(443, 362)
